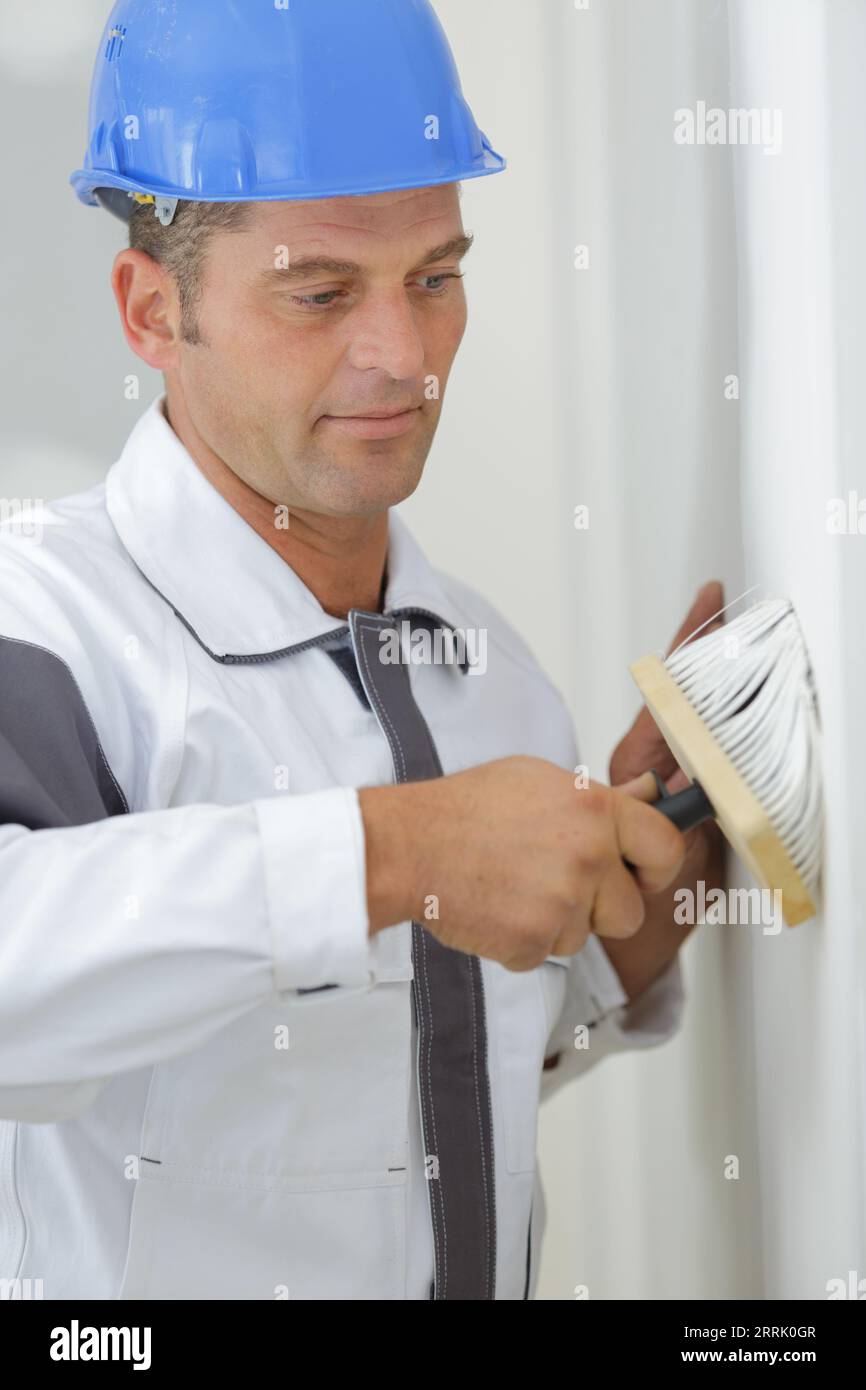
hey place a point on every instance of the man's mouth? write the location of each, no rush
(376, 424)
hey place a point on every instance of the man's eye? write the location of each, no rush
(441, 287)
(315, 301)
(434, 284)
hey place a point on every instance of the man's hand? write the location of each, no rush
(644, 747)
(638, 962)
(512, 861)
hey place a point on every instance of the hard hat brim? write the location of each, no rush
(86, 181)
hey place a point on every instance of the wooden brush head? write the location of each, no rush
(738, 811)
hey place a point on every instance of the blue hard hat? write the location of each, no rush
(220, 101)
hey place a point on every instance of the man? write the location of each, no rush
(278, 1000)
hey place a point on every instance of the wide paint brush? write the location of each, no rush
(738, 709)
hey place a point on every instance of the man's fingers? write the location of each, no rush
(642, 788)
(645, 788)
(643, 746)
(649, 841)
(619, 908)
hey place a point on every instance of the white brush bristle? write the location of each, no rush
(752, 685)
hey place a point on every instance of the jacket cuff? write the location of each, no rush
(653, 1016)
(315, 881)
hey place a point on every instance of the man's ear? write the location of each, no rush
(148, 305)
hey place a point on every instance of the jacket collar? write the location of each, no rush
(225, 583)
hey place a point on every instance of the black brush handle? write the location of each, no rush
(684, 809)
(687, 808)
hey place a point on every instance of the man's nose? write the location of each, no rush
(385, 336)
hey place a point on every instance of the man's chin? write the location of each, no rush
(366, 503)
(371, 483)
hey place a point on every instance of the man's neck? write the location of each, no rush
(341, 560)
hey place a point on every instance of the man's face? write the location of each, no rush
(295, 355)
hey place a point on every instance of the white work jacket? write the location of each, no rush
(208, 1073)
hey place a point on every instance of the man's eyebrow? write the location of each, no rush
(305, 266)
(458, 246)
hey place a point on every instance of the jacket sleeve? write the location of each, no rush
(126, 938)
(597, 1018)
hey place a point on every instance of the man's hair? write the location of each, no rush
(181, 248)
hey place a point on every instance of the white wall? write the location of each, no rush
(802, 219)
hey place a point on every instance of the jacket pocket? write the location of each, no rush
(313, 1091)
(268, 1241)
(274, 1157)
